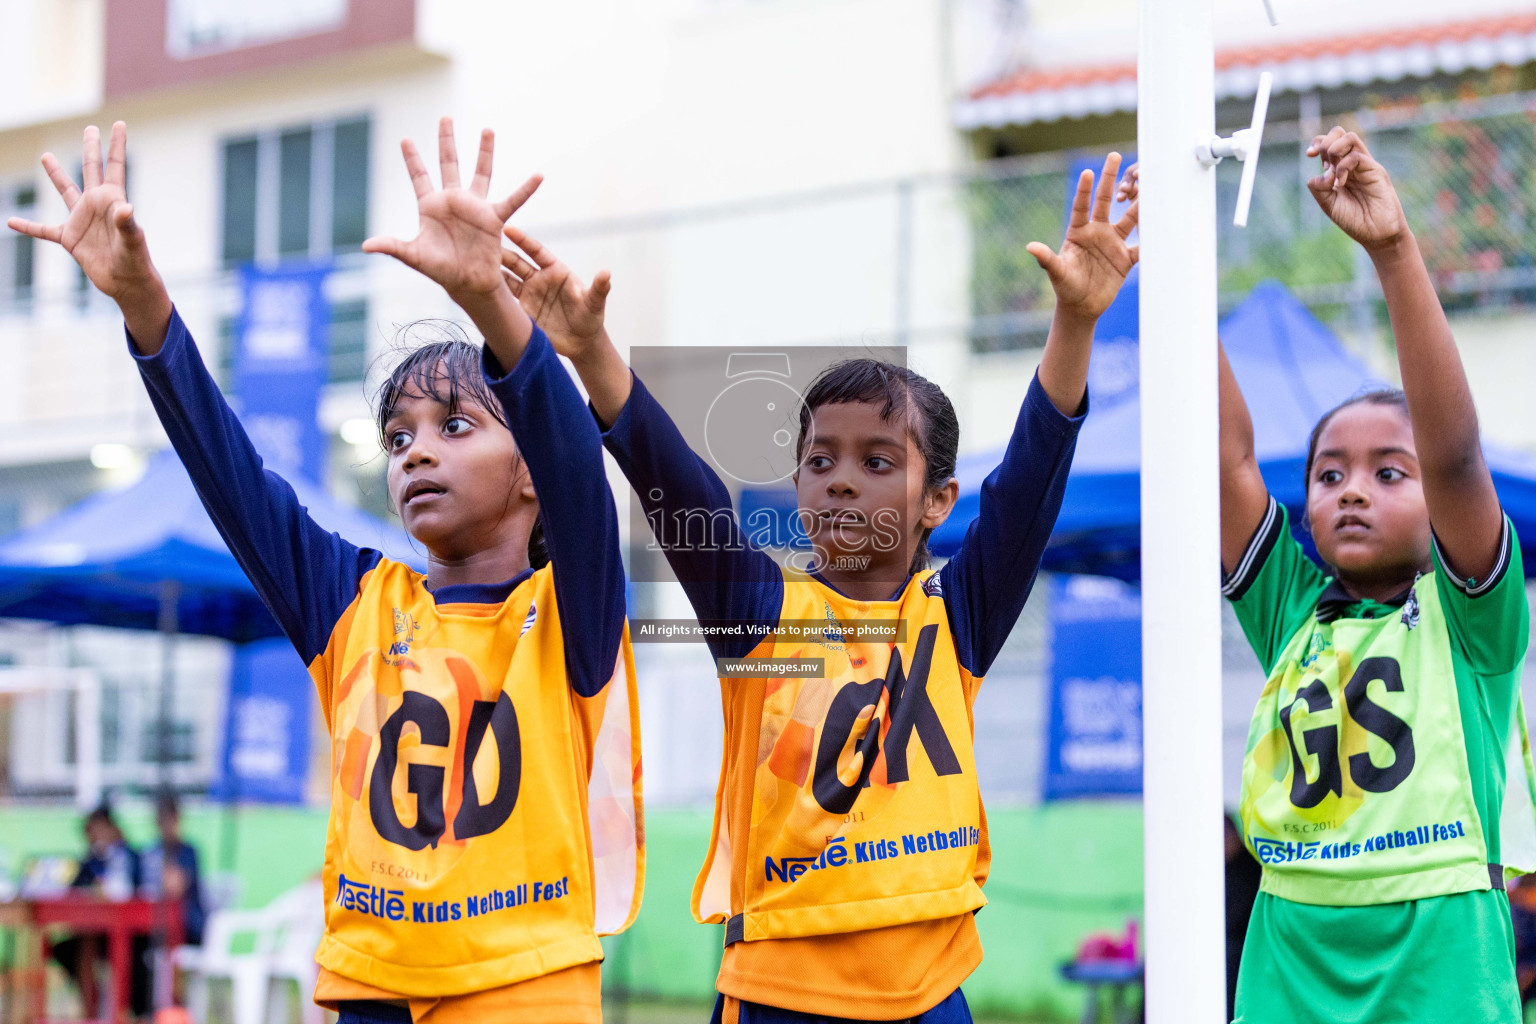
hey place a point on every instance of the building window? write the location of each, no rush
(198, 27)
(349, 341)
(239, 202)
(17, 251)
(296, 193)
(349, 192)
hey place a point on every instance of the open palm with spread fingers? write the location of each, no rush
(99, 232)
(1355, 191)
(569, 311)
(1095, 257)
(458, 242)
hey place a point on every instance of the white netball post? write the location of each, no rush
(1180, 513)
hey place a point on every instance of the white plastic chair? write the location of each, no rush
(221, 891)
(293, 957)
(283, 935)
(245, 971)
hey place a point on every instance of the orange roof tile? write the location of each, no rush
(1310, 63)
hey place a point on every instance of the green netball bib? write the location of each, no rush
(1356, 787)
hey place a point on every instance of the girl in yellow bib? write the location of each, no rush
(485, 816)
(850, 845)
(1375, 770)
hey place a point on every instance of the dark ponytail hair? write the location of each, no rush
(447, 370)
(538, 551)
(904, 396)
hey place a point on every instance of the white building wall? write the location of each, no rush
(53, 60)
(626, 110)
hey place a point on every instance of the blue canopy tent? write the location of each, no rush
(148, 557)
(1291, 368)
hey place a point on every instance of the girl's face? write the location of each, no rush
(860, 491)
(1365, 496)
(455, 477)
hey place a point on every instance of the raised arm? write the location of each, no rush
(1355, 191)
(1244, 496)
(990, 577)
(459, 247)
(573, 313)
(103, 237)
(560, 444)
(1086, 276)
(988, 580)
(458, 240)
(725, 578)
(306, 575)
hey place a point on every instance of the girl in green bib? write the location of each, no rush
(1375, 769)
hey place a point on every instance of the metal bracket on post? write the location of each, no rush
(1244, 146)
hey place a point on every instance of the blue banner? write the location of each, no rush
(1094, 738)
(267, 726)
(280, 365)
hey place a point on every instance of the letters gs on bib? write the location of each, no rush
(910, 710)
(1323, 741)
(425, 781)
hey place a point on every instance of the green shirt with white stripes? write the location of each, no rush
(1373, 787)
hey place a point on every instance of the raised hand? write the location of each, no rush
(100, 232)
(103, 237)
(569, 311)
(1094, 258)
(1129, 189)
(458, 242)
(1355, 191)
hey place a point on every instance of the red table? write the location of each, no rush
(88, 914)
(16, 918)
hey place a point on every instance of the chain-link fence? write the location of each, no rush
(942, 257)
(1466, 172)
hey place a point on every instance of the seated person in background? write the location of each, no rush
(110, 864)
(170, 870)
(111, 868)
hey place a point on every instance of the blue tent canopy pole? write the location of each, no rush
(170, 598)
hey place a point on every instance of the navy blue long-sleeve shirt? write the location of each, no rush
(308, 576)
(985, 584)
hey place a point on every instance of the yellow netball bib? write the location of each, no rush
(485, 819)
(865, 810)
